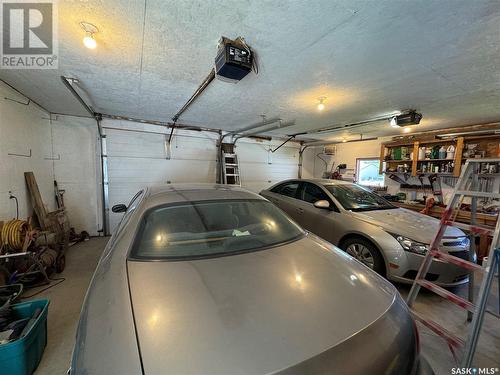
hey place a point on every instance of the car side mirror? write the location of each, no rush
(323, 203)
(117, 208)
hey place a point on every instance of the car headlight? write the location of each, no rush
(411, 245)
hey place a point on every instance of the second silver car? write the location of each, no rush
(388, 239)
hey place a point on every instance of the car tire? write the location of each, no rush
(60, 263)
(365, 252)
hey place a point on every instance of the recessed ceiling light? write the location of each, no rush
(321, 104)
(88, 39)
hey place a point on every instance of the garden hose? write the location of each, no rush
(14, 234)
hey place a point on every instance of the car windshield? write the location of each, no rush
(356, 198)
(211, 228)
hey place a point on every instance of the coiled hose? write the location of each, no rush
(14, 234)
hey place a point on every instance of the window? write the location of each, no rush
(211, 228)
(313, 193)
(357, 198)
(367, 172)
(289, 189)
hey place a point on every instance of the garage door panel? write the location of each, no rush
(196, 148)
(258, 153)
(136, 160)
(133, 144)
(274, 172)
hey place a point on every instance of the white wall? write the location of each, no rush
(347, 153)
(70, 140)
(23, 128)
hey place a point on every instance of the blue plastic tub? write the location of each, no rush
(21, 357)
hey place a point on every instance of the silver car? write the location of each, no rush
(390, 240)
(209, 279)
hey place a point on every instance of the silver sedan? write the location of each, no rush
(390, 240)
(217, 280)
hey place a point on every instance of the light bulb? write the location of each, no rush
(89, 41)
(321, 104)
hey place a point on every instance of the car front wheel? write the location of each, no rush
(365, 252)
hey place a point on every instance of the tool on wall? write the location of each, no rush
(59, 195)
(465, 186)
(12, 196)
(396, 178)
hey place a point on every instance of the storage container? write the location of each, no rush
(397, 153)
(21, 357)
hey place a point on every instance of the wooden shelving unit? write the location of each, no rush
(487, 146)
(414, 146)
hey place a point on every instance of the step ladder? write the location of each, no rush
(230, 169)
(465, 187)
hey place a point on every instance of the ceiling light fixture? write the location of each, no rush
(88, 39)
(407, 130)
(344, 140)
(321, 104)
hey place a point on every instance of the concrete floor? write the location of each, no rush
(65, 303)
(66, 300)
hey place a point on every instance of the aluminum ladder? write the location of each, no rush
(230, 169)
(463, 188)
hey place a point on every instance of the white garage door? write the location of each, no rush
(137, 159)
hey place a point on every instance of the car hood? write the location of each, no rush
(257, 312)
(408, 223)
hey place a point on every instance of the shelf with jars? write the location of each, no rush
(421, 157)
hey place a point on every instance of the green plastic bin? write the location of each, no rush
(21, 357)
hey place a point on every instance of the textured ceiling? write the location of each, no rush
(369, 58)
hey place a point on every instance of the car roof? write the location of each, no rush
(320, 181)
(324, 181)
(176, 193)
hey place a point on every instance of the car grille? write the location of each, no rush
(461, 241)
(453, 243)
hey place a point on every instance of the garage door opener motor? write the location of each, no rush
(234, 59)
